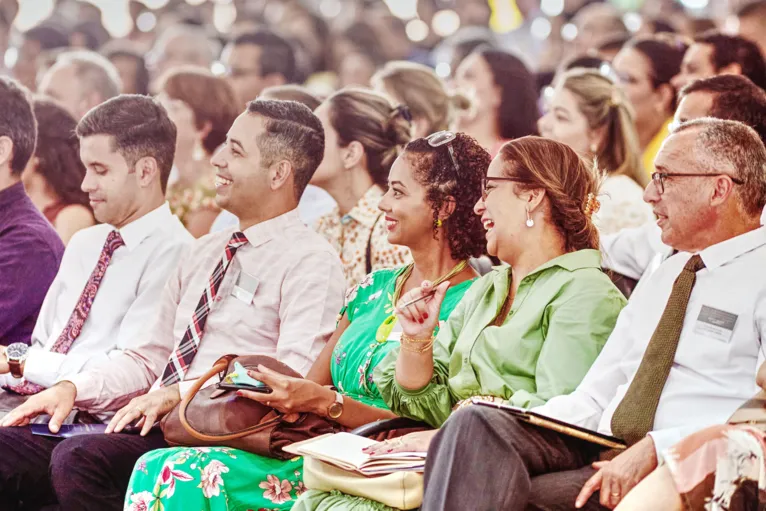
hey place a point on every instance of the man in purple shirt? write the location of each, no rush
(30, 249)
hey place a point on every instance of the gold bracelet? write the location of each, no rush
(416, 345)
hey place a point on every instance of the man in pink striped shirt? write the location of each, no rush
(270, 286)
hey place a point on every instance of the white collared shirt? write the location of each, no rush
(289, 310)
(714, 368)
(127, 297)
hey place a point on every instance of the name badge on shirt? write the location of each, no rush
(244, 289)
(715, 323)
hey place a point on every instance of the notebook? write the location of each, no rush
(556, 425)
(344, 450)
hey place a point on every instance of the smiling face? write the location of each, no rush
(240, 175)
(564, 122)
(683, 210)
(112, 186)
(474, 78)
(503, 213)
(408, 214)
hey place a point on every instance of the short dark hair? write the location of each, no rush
(732, 49)
(140, 127)
(735, 98)
(112, 52)
(17, 122)
(278, 55)
(518, 112)
(292, 132)
(58, 152)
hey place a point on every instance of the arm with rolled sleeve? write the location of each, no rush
(312, 294)
(133, 370)
(585, 406)
(576, 333)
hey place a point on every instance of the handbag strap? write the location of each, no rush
(219, 367)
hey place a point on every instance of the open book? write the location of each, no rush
(344, 450)
(562, 427)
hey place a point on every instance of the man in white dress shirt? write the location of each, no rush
(112, 275)
(683, 355)
(270, 286)
(639, 251)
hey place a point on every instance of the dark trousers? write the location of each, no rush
(83, 473)
(485, 460)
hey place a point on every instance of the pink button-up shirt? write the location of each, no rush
(300, 289)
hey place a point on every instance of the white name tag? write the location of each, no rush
(715, 323)
(244, 289)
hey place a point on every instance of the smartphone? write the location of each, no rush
(262, 387)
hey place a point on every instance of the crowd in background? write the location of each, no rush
(510, 170)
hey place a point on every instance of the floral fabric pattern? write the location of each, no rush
(183, 201)
(350, 233)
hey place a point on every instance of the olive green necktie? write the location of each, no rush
(634, 416)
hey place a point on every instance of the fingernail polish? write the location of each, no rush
(425, 316)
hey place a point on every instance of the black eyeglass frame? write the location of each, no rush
(658, 178)
(441, 138)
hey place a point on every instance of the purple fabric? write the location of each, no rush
(30, 254)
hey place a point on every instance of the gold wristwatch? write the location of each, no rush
(335, 410)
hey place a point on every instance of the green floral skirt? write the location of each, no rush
(213, 479)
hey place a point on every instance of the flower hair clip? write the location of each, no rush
(592, 205)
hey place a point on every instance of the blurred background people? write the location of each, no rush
(503, 98)
(80, 80)
(179, 45)
(751, 22)
(433, 107)
(591, 114)
(203, 108)
(364, 133)
(131, 66)
(53, 176)
(645, 67)
(44, 37)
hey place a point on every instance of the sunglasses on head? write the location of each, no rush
(441, 138)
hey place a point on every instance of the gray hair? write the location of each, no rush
(734, 148)
(95, 72)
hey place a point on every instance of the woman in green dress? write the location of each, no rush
(524, 333)
(429, 209)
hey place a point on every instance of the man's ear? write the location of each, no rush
(147, 170)
(6, 151)
(281, 173)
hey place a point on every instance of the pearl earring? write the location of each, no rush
(530, 222)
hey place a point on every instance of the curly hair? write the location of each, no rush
(435, 170)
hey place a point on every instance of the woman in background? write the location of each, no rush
(54, 174)
(203, 108)
(433, 108)
(503, 96)
(364, 133)
(590, 113)
(645, 66)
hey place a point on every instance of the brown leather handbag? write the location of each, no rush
(218, 417)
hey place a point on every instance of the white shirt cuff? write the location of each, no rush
(42, 367)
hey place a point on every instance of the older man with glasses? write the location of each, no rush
(683, 355)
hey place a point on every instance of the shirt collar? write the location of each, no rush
(138, 230)
(366, 211)
(579, 259)
(12, 194)
(721, 253)
(263, 232)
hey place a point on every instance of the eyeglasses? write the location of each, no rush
(441, 138)
(486, 179)
(658, 178)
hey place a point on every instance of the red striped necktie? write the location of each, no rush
(182, 357)
(80, 314)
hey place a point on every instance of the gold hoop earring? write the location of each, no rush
(439, 222)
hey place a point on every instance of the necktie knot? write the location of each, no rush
(694, 264)
(237, 240)
(113, 242)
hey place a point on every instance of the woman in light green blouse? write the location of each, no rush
(525, 332)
